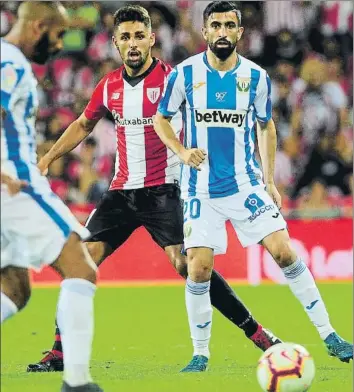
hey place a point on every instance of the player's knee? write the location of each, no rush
(283, 254)
(199, 270)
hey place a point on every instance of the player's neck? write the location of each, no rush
(137, 72)
(220, 65)
(17, 38)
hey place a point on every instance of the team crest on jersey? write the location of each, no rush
(153, 94)
(243, 84)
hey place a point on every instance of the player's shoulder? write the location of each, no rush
(195, 60)
(115, 75)
(248, 65)
(12, 55)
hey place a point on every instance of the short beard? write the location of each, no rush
(222, 53)
(137, 65)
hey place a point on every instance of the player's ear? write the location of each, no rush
(152, 39)
(240, 32)
(204, 33)
(114, 40)
(39, 27)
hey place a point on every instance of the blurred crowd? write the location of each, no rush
(306, 47)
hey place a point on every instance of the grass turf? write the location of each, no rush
(142, 341)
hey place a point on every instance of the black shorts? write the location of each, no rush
(119, 212)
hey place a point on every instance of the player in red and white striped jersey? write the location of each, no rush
(144, 190)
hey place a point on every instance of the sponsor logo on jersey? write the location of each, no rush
(220, 96)
(131, 122)
(256, 206)
(198, 85)
(220, 118)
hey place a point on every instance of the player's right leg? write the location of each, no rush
(110, 225)
(204, 235)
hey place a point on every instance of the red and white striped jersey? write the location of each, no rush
(142, 160)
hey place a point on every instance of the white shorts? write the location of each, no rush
(251, 212)
(35, 225)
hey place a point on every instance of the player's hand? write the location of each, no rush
(14, 185)
(193, 157)
(43, 165)
(274, 194)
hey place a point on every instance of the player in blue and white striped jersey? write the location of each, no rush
(222, 95)
(36, 227)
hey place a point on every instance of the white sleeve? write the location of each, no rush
(263, 102)
(174, 94)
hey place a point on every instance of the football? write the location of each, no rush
(286, 367)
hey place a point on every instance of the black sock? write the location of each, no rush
(57, 344)
(226, 301)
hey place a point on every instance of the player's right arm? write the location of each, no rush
(173, 98)
(78, 130)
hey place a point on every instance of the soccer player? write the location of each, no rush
(36, 227)
(222, 95)
(145, 188)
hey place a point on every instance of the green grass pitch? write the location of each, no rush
(142, 341)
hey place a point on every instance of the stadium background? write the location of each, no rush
(307, 48)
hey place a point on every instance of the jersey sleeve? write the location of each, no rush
(263, 102)
(11, 77)
(174, 94)
(95, 109)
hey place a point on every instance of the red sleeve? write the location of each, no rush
(95, 109)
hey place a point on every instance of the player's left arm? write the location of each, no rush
(266, 135)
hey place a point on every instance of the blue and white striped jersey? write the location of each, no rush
(219, 111)
(19, 100)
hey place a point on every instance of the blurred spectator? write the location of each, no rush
(101, 46)
(331, 163)
(84, 16)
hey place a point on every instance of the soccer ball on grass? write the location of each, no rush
(286, 367)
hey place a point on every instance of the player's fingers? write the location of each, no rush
(194, 165)
(200, 154)
(196, 160)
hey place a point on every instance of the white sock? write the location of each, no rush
(199, 315)
(303, 286)
(8, 308)
(75, 321)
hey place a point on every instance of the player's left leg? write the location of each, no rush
(303, 286)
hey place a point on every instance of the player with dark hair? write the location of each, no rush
(145, 188)
(222, 96)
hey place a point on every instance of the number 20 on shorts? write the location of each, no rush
(191, 209)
